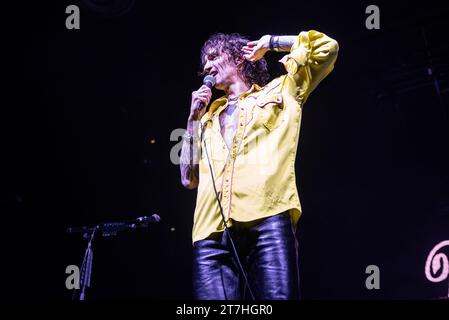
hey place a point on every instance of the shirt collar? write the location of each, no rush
(222, 101)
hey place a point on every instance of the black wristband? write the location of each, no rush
(271, 42)
(277, 46)
(274, 43)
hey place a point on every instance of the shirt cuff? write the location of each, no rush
(299, 54)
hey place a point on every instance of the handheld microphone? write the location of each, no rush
(208, 81)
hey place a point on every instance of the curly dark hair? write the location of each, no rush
(253, 72)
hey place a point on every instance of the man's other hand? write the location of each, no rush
(255, 50)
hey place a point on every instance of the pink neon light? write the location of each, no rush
(436, 260)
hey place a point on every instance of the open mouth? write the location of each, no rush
(213, 73)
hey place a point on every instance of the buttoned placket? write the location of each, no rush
(229, 164)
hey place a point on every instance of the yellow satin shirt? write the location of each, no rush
(255, 177)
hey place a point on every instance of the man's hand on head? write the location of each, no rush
(255, 50)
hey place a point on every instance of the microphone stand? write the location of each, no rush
(109, 229)
(86, 266)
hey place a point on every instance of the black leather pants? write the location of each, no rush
(268, 252)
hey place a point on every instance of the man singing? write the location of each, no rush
(240, 154)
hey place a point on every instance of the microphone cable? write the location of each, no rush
(223, 217)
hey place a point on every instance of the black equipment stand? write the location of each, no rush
(109, 229)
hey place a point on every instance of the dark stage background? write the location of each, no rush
(85, 106)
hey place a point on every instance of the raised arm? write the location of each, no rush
(311, 58)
